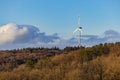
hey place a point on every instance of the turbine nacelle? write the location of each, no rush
(80, 27)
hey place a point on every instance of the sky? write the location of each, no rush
(61, 16)
(30, 22)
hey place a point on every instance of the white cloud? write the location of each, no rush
(10, 32)
(20, 36)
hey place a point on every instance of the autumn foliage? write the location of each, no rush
(100, 62)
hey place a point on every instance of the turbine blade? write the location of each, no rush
(75, 30)
(78, 21)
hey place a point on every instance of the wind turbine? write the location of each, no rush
(78, 30)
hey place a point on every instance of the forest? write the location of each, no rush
(99, 62)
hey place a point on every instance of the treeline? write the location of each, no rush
(10, 59)
(100, 62)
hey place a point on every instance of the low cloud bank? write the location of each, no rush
(22, 36)
(107, 37)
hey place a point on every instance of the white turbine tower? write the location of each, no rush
(78, 30)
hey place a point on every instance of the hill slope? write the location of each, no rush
(101, 62)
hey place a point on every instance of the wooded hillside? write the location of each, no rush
(100, 62)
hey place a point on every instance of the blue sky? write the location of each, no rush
(61, 16)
